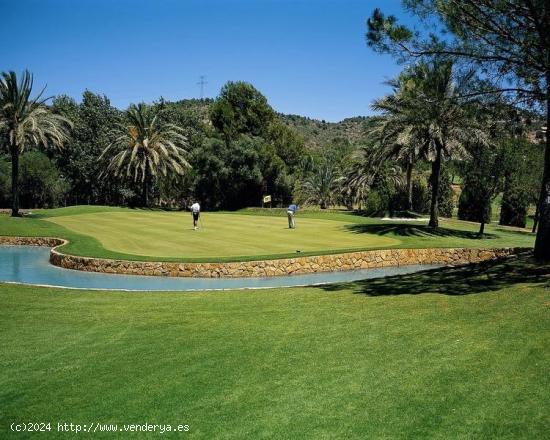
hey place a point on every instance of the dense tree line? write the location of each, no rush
(163, 154)
(231, 151)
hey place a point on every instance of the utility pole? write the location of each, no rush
(202, 82)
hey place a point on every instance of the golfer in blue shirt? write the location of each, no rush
(290, 212)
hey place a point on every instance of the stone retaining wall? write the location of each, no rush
(298, 265)
(286, 266)
(31, 241)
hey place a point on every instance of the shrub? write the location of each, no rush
(398, 200)
(446, 195)
(515, 202)
(421, 195)
(374, 204)
(471, 206)
(522, 184)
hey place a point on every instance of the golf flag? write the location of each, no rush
(267, 199)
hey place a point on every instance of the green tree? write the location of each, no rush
(508, 39)
(210, 173)
(421, 194)
(26, 122)
(245, 180)
(445, 198)
(271, 150)
(288, 145)
(229, 176)
(144, 148)
(94, 119)
(40, 185)
(515, 203)
(482, 183)
(241, 109)
(189, 114)
(521, 186)
(276, 180)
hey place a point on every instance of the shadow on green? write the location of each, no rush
(404, 230)
(464, 280)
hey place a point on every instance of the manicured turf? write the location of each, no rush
(168, 236)
(455, 353)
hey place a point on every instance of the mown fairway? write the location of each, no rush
(456, 353)
(168, 234)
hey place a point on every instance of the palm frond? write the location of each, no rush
(152, 147)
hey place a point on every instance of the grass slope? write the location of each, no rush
(456, 353)
(249, 234)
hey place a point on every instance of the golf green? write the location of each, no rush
(137, 234)
(169, 234)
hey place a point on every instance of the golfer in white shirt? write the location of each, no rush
(195, 211)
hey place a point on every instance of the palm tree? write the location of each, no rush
(366, 170)
(26, 122)
(398, 137)
(321, 185)
(146, 147)
(404, 144)
(428, 116)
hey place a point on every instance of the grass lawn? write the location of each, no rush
(452, 353)
(168, 236)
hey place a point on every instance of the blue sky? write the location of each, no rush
(308, 57)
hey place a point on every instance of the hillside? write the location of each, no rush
(316, 133)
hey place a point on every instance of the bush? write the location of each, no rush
(471, 205)
(522, 182)
(445, 199)
(384, 196)
(515, 202)
(421, 196)
(398, 201)
(374, 204)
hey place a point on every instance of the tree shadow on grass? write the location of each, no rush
(463, 280)
(396, 214)
(405, 230)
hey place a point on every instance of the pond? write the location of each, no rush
(30, 265)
